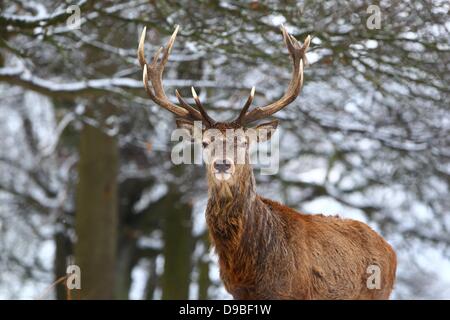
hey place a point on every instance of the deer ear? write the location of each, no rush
(265, 130)
(185, 124)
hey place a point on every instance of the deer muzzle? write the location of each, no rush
(223, 169)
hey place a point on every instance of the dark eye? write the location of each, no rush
(205, 144)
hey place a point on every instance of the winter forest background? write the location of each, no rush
(85, 170)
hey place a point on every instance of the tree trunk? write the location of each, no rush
(63, 250)
(204, 282)
(125, 264)
(178, 247)
(152, 280)
(96, 213)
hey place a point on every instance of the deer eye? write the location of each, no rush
(205, 144)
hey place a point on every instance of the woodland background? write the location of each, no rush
(85, 170)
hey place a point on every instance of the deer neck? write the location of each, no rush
(230, 203)
(240, 225)
(229, 208)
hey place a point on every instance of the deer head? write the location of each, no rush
(226, 143)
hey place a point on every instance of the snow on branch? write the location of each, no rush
(22, 21)
(24, 78)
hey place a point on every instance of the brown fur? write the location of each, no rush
(269, 251)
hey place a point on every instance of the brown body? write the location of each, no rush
(267, 250)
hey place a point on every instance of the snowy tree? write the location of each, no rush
(85, 170)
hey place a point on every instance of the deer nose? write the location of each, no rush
(222, 165)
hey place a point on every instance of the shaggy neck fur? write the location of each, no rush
(242, 229)
(229, 206)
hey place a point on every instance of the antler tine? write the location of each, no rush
(298, 55)
(141, 55)
(202, 110)
(185, 105)
(247, 104)
(154, 71)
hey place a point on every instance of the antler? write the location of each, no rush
(154, 71)
(203, 112)
(297, 53)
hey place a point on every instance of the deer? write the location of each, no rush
(267, 250)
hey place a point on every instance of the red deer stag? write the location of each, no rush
(267, 250)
